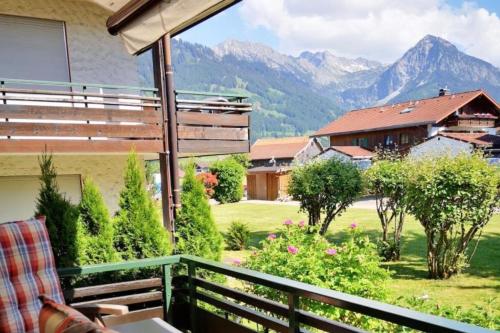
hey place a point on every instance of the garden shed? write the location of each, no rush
(272, 161)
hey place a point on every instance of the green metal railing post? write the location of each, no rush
(192, 295)
(293, 322)
(167, 292)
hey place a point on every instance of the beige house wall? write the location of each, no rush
(94, 55)
(105, 170)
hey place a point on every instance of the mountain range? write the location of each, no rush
(295, 95)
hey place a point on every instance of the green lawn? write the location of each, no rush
(478, 283)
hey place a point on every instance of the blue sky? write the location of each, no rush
(229, 25)
(353, 28)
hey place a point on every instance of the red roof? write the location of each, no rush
(264, 149)
(353, 151)
(477, 139)
(410, 113)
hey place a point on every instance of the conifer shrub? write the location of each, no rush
(95, 228)
(238, 236)
(229, 173)
(61, 215)
(195, 226)
(139, 232)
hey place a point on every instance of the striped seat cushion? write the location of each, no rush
(60, 318)
(27, 270)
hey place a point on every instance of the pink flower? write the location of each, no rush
(271, 237)
(292, 249)
(302, 224)
(236, 262)
(288, 222)
(353, 225)
(331, 251)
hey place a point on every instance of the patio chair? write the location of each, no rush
(27, 270)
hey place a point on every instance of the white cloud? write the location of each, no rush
(375, 29)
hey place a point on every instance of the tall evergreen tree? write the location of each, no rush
(95, 228)
(139, 231)
(196, 229)
(61, 216)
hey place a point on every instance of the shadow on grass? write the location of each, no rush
(256, 237)
(413, 264)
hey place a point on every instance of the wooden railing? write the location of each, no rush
(75, 117)
(67, 117)
(212, 123)
(179, 300)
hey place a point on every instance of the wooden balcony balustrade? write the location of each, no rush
(212, 123)
(67, 117)
(182, 300)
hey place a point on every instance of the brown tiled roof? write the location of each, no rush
(264, 149)
(477, 139)
(410, 113)
(353, 151)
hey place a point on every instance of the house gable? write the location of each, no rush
(425, 112)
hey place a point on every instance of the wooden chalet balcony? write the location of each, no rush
(67, 117)
(181, 295)
(472, 121)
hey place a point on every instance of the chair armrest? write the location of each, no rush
(94, 310)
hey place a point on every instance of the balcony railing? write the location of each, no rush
(66, 117)
(74, 117)
(212, 123)
(182, 300)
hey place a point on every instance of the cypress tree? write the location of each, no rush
(61, 215)
(196, 229)
(95, 228)
(139, 231)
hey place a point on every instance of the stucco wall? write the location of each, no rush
(440, 145)
(363, 163)
(94, 55)
(312, 150)
(106, 171)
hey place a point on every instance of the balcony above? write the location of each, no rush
(66, 118)
(77, 118)
(212, 123)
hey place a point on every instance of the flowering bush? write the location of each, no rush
(351, 267)
(209, 180)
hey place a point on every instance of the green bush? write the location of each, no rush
(237, 236)
(325, 187)
(195, 226)
(96, 230)
(453, 198)
(61, 215)
(229, 175)
(387, 180)
(139, 232)
(242, 159)
(483, 315)
(351, 267)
